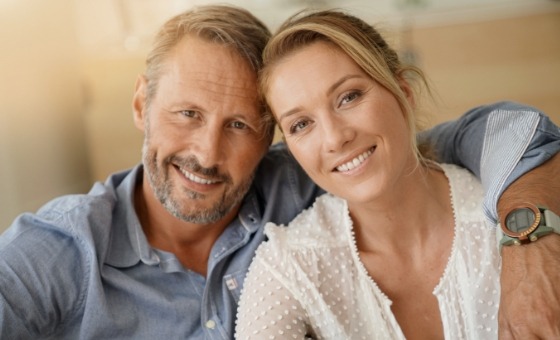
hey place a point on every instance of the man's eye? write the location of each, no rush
(188, 113)
(238, 125)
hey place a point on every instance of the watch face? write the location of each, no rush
(522, 222)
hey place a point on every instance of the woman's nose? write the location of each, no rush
(336, 132)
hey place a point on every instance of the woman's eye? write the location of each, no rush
(298, 126)
(349, 97)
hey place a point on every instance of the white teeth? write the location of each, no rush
(196, 179)
(355, 162)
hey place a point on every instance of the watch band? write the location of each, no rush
(552, 220)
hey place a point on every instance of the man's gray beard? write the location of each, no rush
(163, 188)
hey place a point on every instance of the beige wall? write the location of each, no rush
(114, 142)
(485, 61)
(42, 137)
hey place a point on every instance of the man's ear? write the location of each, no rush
(139, 102)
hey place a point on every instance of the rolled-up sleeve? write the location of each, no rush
(498, 143)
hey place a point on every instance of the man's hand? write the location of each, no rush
(530, 278)
(530, 297)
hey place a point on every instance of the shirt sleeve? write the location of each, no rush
(498, 143)
(267, 309)
(40, 279)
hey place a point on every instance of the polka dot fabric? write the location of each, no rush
(307, 281)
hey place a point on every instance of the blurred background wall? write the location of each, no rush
(43, 142)
(68, 67)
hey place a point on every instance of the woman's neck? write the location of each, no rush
(406, 216)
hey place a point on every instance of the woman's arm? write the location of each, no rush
(267, 310)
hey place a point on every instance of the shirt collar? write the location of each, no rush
(129, 244)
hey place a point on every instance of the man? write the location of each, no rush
(161, 251)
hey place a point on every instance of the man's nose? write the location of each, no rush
(210, 146)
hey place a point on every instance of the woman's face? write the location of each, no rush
(347, 131)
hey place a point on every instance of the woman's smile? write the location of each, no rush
(356, 161)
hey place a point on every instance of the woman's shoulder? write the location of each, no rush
(321, 225)
(465, 187)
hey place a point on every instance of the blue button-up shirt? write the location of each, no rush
(81, 267)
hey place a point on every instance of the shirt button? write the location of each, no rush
(210, 324)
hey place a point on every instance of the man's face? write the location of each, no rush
(203, 131)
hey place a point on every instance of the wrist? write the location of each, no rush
(547, 247)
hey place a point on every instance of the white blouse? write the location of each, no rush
(308, 278)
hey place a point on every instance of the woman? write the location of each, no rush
(398, 248)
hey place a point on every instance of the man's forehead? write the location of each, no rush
(195, 50)
(196, 61)
(208, 83)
